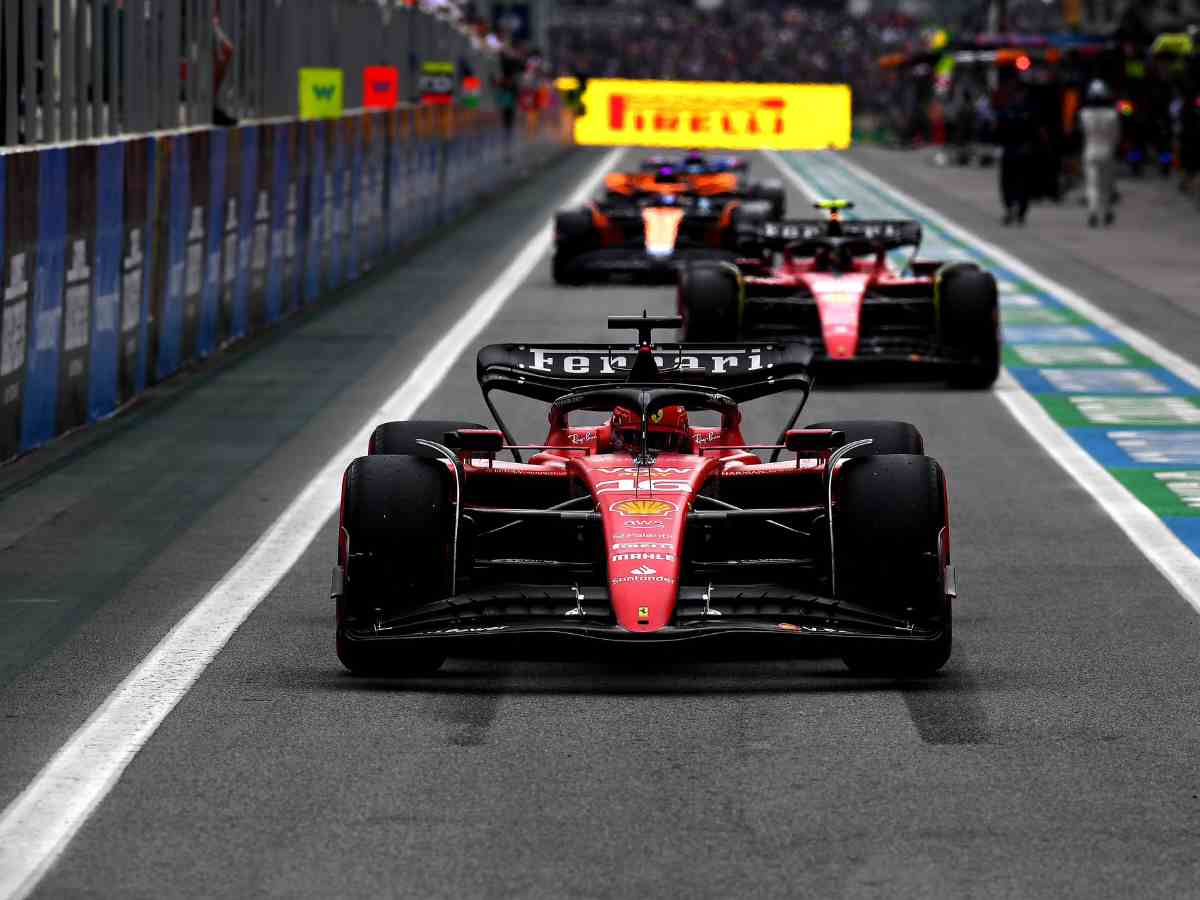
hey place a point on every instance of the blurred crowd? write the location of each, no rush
(767, 41)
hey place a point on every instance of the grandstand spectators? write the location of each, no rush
(770, 41)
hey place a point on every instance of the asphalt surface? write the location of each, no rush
(1055, 756)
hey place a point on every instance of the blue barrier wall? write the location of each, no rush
(123, 262)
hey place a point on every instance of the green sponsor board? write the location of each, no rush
(1062, 356)
(1170, 492)
(1082, 411)
(321, 93)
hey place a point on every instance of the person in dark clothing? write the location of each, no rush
(1016, 132)
(1189, 134)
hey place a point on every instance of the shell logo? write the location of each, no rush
(643, 507)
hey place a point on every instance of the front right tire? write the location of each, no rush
(886, 436)
(969, 320)
(891, 539)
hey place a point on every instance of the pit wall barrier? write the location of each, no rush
(124, 262)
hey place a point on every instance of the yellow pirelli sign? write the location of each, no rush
(734, 115)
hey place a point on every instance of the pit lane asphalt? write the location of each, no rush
(1054, 757)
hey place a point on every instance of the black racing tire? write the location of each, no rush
(709, 300)
(397, 521)
(969, 319)
(743, 235)
(392, 438)
(774, 193)
(886, 436)
(888, 520)
(574, 233)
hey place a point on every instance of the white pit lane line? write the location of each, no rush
(1178, 564)
(37, 826)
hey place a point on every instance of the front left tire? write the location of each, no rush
(394, 550)
(709, 299)
(573, 234)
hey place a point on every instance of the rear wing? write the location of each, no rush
(889, 234)
(548, 371)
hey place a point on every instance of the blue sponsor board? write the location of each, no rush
(317, 211)
(38, 416)
(141, 202)
(353, 200)
(78, 296)
(122, 261)
(277, 253)
(299, 219)
(335, 197)
(104, 365)
(208, 332)
(170, 313)
(240, 319)
(395, 179)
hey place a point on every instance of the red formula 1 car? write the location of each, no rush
(831, 285)
(639, 531)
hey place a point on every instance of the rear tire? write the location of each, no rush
(397, 519)
(891, 511)
(574, 233)
(774, 193)
(969, 313)
(886, 436)
(392, 438)
(709, 300)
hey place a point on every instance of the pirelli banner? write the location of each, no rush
(725, 115)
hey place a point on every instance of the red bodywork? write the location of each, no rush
(838, 295)
(644, 508)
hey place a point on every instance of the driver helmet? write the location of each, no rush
(666, 430)
(1097, 91)
(695, 162)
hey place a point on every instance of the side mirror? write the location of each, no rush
(808, 441)
(475, 440)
